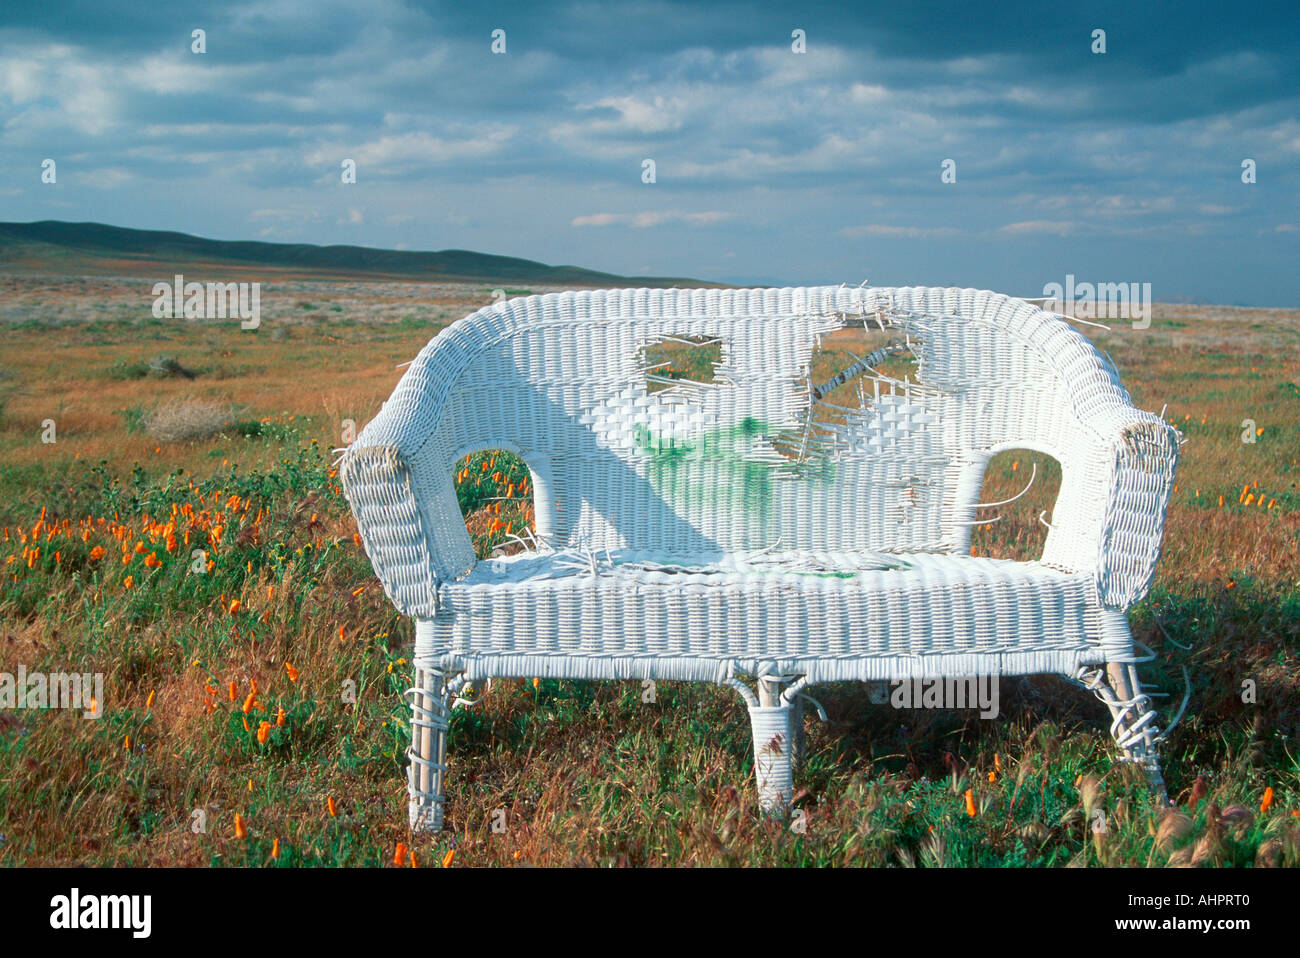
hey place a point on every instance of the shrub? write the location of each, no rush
(181, 420)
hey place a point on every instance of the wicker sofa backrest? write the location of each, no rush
(707, 470)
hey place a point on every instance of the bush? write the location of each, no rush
(182, 420)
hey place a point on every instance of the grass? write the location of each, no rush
(579, 772)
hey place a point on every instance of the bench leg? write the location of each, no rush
(773, 724)
(430, 718)
(1134, 725)
(1132, 717)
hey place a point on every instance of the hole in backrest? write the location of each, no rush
(847, 357)
(495, 491)
(1018, 534)
(846, 368)
(672, 360)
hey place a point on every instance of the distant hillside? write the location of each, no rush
(96, 249)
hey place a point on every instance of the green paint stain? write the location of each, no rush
(677, 466)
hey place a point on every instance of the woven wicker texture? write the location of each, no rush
(681, 538)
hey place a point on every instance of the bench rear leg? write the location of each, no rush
(430, 719)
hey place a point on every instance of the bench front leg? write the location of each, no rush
(430, 720)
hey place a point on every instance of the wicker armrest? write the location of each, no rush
(1141, 455)
(403, 497)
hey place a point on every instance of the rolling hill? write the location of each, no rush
(54, 246)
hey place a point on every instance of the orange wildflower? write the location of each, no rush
(1267, 803)
(970, 803)
(279, 716)
(128, 582)
(399, 856)
(96, 553)
(232, 691)
(148, 703)
(263, 731)
(248, 702)
(448, 858)
(331, 807)
(240, 831)
(152, 561)
(293, 673)
(275, 848)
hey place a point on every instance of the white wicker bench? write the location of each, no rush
(680, 538)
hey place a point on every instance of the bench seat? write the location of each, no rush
(830, 616)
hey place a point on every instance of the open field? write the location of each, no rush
(224, 691)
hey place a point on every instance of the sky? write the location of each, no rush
(771, 166)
